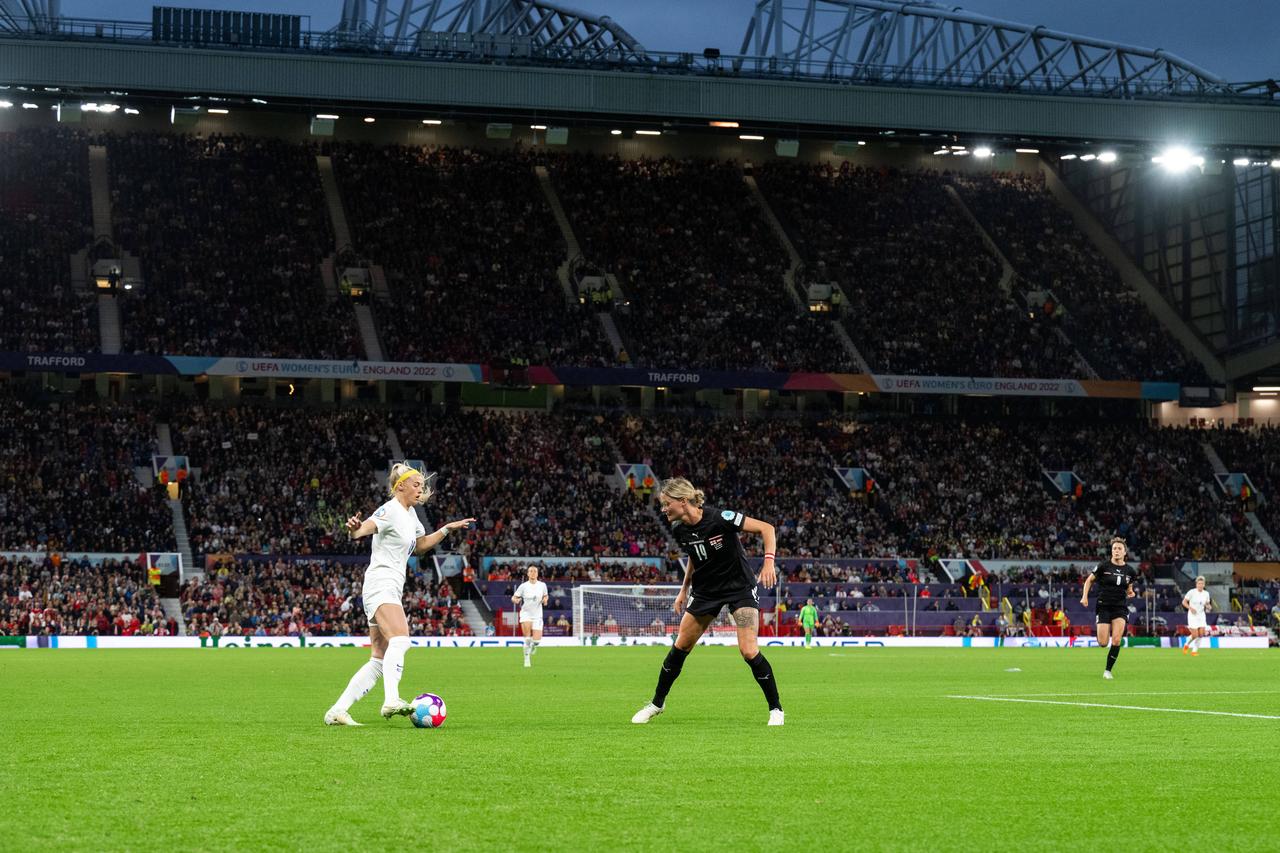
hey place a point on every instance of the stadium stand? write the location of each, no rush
(68, 481)
(228, 227)
(1103, 317)
(44, 218)
(470, 250)
(694, 255)
(56, 596)
(923, 295)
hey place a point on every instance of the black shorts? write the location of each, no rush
(1107, 612)
(700, 606)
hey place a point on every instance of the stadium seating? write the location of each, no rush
(68, 480)
(1103, 317)
(231, 231)
(923, 295)
(698, 262)
(56, 596)
(279, 481)
(1256, 452)
(44, 218)
(278, 597)
(470, 249)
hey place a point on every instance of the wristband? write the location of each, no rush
(768, 556)
(443, 531)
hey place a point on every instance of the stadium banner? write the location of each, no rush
(238, 642)
(1089, 642)
(93, 558)
(850, 382)
(303, 368)
(487, 563)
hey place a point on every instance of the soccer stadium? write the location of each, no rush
(473, 373)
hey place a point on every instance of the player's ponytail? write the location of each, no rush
(400, 472)
(678, 488)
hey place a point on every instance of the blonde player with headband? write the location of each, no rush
(397, 535)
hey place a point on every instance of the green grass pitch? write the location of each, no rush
(225, 750)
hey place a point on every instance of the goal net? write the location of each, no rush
(631, 610)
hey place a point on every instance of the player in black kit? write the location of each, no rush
(718, 576)
(1115, 579)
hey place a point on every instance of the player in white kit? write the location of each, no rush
(397, 535)
(1197, 604)
(531, 596)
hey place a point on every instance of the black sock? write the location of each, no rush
(1112, 654)
(670, 672)
(764, 677)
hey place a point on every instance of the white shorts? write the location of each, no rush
(535, 619)
(1197, 622)
(378, 593)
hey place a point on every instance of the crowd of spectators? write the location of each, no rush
(44, 219)
(778, 470)
(1105, 318)
(68, 479)
(279, 481)
(264, 597)
(698, 262)
(922, 291)
(231, 231)
(470, 249)
(53, 596)
(1254, 451)
(1258, 601)
(538, 484)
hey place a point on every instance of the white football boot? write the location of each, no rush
(647, 713)
(334, 717)
(775, 717)
(397, 708)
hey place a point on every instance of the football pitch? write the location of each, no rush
(224, 749)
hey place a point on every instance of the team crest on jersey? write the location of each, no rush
(728, 515)
(382, 512)
(717, 542)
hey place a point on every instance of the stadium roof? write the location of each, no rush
(816, 65)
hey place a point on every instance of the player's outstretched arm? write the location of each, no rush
(431, 540)
(769, 573)
(360, 529)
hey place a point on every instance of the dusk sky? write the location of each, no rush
(1235, 39)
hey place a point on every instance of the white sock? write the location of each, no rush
(361, 683)
(393, 667)
(528, 648)
(1195, 641)
(535, 645)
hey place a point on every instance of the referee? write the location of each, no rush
(1115, 579)
(717, 576)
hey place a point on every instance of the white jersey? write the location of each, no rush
(531, 595)
(393, 543)
(1198, 599)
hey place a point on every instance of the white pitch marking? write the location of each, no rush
(1119, 707)
(1159, 693)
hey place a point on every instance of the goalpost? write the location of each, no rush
(631, 610)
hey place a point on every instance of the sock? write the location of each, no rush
(670, 672)
(535, 647)
(393, 668)
(1112, 653)
(528, 648)
(808, 635)
(361, 683)
(1195, 643)
(764, 677)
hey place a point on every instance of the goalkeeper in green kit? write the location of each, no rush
(809, 619)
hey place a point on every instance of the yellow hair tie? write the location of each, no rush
(406, 475)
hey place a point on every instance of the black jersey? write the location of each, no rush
(1112, 582)
(719, 564)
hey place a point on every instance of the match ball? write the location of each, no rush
(428, 711)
